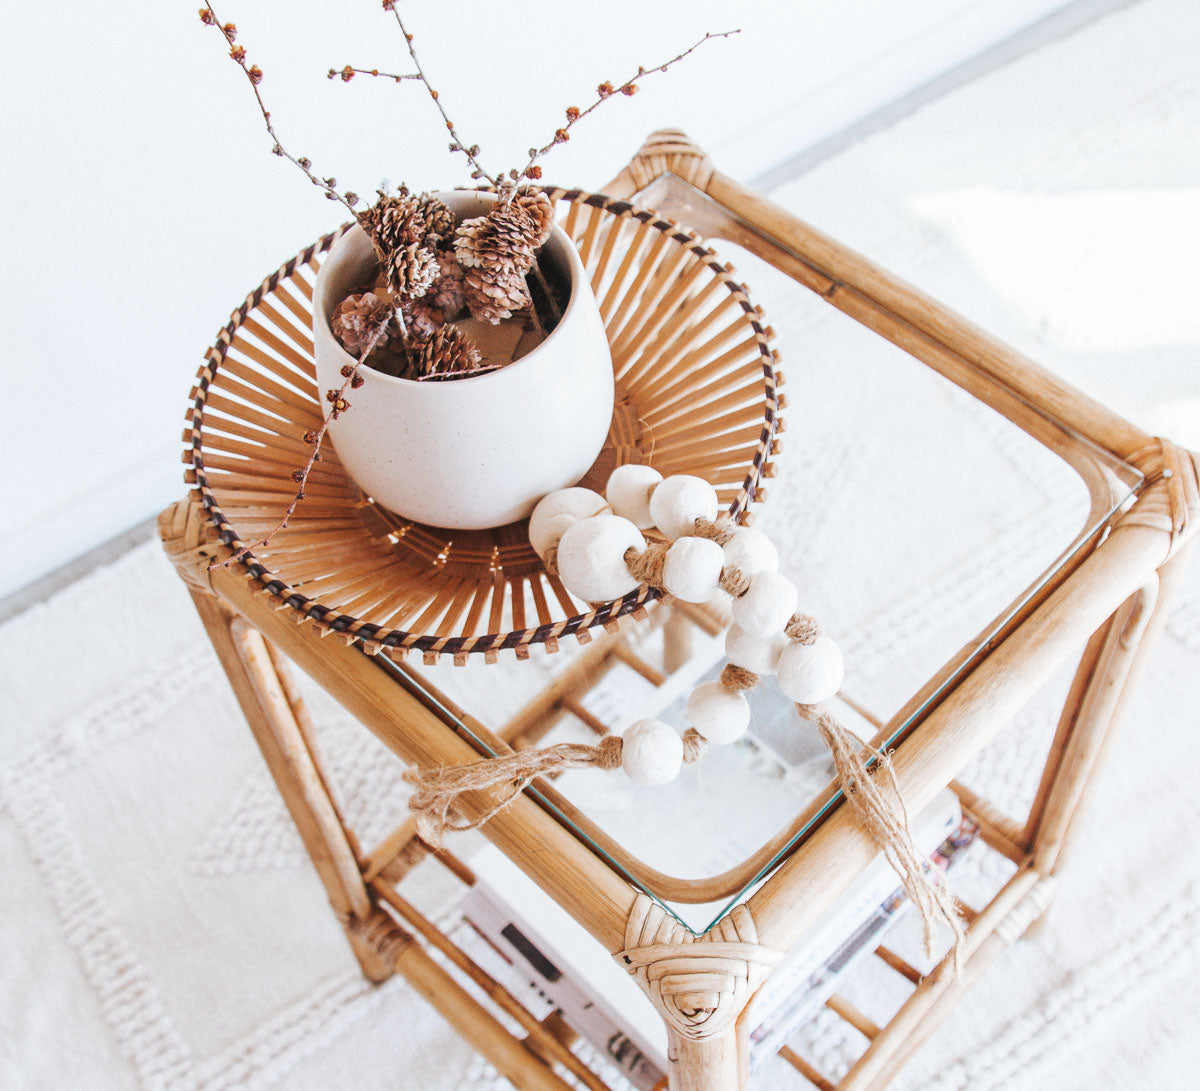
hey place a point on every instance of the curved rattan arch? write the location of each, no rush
(697, 394)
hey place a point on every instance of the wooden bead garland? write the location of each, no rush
(720, 714)
(601, 553)
(600, 556)
(759, 654)
(810, 673)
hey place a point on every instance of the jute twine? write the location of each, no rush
(734, 582)
(803, 629)
(647, 566)
(437, 790)
(719, 530)
(869, 784)
(735, 678)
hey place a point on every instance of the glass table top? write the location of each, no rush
(917, 523)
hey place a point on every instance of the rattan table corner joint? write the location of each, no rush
(1111, 600)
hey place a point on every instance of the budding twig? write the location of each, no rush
(348, 73)
(340, 403)
(470, 152)
(605, 91)
(434, 376)
(254, 75)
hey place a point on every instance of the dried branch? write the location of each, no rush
(254, 75)
(349, 72)
(457, 144)
(340, 403)
(605, 91)
(435, 376)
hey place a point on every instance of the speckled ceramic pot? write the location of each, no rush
(476, 452)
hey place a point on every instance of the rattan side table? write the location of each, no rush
(1108, 595)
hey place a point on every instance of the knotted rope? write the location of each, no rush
(869, 784)
(880, 807)
(437, 790)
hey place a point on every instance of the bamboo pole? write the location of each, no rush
(264, 703)
(1087, 722)
(474, 1022)
(805, 1069)
(538, 1037)
(842, 1007)
(1135, 643)
(981, 351)
(995, 827)
(710, 1064)
(904, 969)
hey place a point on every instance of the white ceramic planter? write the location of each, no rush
(477, 452)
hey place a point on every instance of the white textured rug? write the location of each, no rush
(154, 897)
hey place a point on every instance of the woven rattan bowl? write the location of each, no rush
(696, 394)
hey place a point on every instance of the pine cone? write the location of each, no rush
(503, 240)
(411, 270)
(492, 295)
(449, 350)
(536, 205)
(423, 318)
(438, 219)
(396, 221)
(393, 222)
(447, 291)
(357, 319)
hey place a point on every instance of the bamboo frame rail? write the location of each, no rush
(672, 343)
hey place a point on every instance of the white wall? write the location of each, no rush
(141, 202)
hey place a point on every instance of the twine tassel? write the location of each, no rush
(875, 795)
(436, 791)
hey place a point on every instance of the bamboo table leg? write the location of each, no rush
(1122, 655)
(708, 1065)
(260, 692)
(280, 726)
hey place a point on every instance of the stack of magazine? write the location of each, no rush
(548, 961)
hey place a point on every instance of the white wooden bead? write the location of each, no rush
(651, 752)
(720, 715)
(591, 557)
(759, 654)
(751, 551)
(692, 569)
(628, 491)
(679, 501)
(576, 502)
(550, 532)
(811, 673)
(767, 604)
